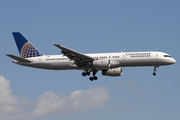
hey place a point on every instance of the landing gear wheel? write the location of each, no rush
(95, 78)
(154, 73)
(88, 73)
(84, 74)
(91, 78)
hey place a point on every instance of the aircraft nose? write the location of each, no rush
(173, 61)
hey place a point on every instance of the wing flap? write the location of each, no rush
(18, 58)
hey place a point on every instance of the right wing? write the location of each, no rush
(79, 58)
(18, 58)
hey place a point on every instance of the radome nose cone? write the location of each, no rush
(173, 61)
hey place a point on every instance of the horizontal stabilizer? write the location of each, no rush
(18, 58)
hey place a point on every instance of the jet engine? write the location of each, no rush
(112, 72)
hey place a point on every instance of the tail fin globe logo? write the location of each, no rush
(28, 50)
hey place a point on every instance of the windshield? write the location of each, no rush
(167, 56)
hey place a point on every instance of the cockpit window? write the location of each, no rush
(167, 56)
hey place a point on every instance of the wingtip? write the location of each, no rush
(7, 54)
(56, 45)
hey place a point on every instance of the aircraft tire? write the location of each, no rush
(84, 74)
(91, 78)
(154, 73)
(95, 78)
(88, 73)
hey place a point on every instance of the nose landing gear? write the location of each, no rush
(154, 73)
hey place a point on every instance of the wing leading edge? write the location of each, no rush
(79, 58)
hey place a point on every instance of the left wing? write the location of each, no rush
(79, 58)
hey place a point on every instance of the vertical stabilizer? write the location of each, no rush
(26, 49)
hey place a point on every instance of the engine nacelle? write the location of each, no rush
(102, 64)
(112, 72)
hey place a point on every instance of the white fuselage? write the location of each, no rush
(122, 59)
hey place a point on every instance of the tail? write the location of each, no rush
(26, 49)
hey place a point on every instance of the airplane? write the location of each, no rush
(109, 63)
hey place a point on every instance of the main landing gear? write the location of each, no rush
(154, 73)
(85, 73)
(93, 78)
(88, 73)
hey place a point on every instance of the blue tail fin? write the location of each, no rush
(26, 49)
